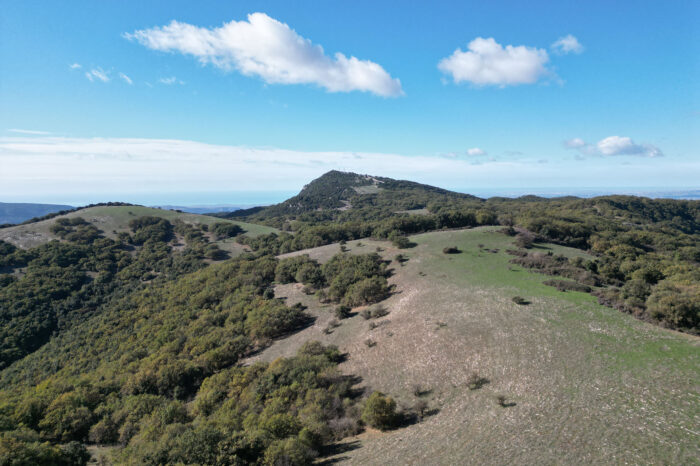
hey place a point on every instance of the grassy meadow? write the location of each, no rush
(582, 383)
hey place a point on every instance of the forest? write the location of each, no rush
(124, 342)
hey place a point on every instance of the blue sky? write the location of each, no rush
(111, 100)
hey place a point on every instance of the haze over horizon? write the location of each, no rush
(245, 103)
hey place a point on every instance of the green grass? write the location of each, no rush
(111, 219)
(590, 384)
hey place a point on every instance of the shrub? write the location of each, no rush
(290, 451)
(342, 312)
(213, 252)
(675, 305)
(451, 250)
(366, 291)
(153, 229)
(225, 230)
(520, 300)
(566, 285)
(475, 381)
(524, 240)
(374, 312)
(310, 274)
(400, 241)
(420, 407)
(288, 270)
(380, 411)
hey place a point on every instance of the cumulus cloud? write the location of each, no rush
(99, 74)
(567, 44)
(614, 146)
(126, 78)
(475, 151)
(270, 49)
(75, 66)
(486, 62)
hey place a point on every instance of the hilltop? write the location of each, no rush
(342, 191)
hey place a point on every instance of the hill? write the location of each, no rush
(336, 192)
(111, 220)
(582, 382)
(384, 322)
(11, 212)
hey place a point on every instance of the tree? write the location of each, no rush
(380, 411)
(226, 230)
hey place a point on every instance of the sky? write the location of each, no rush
(245, 102)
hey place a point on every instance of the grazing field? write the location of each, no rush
(581, 383)
(114, 219)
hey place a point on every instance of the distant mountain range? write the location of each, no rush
(11, 212)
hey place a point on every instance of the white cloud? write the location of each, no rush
(126, 78)
(116, 167)
(75, 66)
(270, 49)
(574, 143)
(84, 170)
(486, 62)
(28, 131)
(170, 81)
(98, 73)
(475, 151)
(567, 44)
(614, 146)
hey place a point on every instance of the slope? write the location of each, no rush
(582, 383)
(112, 220)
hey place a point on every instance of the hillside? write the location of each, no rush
(583, 383)
(14, 212)
(384, 322)
(336, 192)
(111, 220)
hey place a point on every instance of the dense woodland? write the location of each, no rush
(127, 343)
(137, 342)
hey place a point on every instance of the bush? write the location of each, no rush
(524, 240)
(675, 305)
(342, 312)
(520, 300)
(153, 229)
(289, 452)
(451, 250)
(400, 241)
(380, 411)
(366, 291)
(225, 230)
(565, 285)
(374, 312)
(310, 274)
